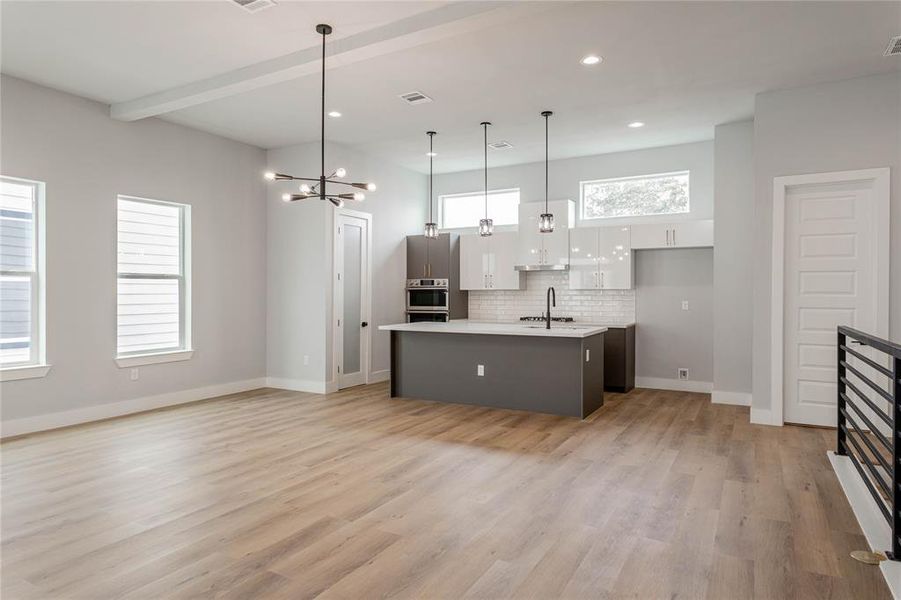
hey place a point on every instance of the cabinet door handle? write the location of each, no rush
(667, 237)
(674, 237)
(602, 279)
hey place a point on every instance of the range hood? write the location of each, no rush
(541, 267)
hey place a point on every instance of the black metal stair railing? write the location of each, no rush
(869, 420)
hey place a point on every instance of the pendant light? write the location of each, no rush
(546, 220)
(431, 228)
(318, 190)
(486, 225)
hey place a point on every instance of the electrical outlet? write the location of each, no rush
(685, 305)
(306, 359)
(134, 374)
(683, 373)
(480, 370)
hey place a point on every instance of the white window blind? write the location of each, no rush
(659, 194)
(20, 282)
(465, 210)
(151, 315)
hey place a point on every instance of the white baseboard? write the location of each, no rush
(734, 398)
(677, 385)
(125, 407)
(300, 385)
(873, 525)
(764, 416)
(378, 376)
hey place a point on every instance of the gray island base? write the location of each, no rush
(537, 371)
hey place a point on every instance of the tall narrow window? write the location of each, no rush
(152, 308)
(21, 289)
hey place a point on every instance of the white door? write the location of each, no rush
(583, 258)
(503, 274)
(615, 258)
(830, 278)
(352, 297)
(530, 243)
(650, 235)
(556, 243)
(472, 268)
(692, 234)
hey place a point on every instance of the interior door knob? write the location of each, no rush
(364, 324)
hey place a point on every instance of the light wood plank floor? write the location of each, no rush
(353, 495)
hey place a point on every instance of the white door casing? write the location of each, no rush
(830, 267)
(353, 298)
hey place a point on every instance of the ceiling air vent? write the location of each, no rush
(253, 6)
(415, 98)
(894, 46)
(501, 145)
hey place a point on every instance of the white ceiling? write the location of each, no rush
(681, 67)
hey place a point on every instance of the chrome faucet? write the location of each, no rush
(551, 300)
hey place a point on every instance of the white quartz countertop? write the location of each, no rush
(569, 330)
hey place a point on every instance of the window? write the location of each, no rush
(21, 260)
(153, 288)
(465, 210)
(661, 194)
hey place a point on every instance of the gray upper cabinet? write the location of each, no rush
(429, 258)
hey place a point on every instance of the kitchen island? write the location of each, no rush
(517, 366)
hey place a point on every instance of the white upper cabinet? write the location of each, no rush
(600, 258)
(487, 263)
(683, 234)
(545, 250)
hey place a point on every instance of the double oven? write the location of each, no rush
(428, 300)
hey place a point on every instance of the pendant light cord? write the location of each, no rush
(431, 157)
(545, 162)
(485, 128)
(322, 123)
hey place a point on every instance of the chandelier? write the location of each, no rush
(319, 188)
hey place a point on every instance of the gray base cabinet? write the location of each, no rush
(557, 375)
(619, 359)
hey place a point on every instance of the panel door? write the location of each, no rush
(503, 249)
(650, 235)
(438, 256)
(472, 270)
(829, 281)
(416, 257)
(529, 240)
(556, 244)
(692, 234)
(583, 258)
(615, 258)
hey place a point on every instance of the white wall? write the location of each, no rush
(733, 261)
(853, 124)
(565, 175)
(585, 306)
(300, 266)
(666, 337)
(86, 159)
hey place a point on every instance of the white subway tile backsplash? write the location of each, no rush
(586, 306)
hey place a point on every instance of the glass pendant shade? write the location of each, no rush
(486, 227)
(546, 223)
(431, 230)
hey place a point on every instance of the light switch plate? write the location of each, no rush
(134, 374)
(480, 370)
(685, 305)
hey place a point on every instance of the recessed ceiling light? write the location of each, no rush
(431, 154)
(334, 114)
(636, 124)
(591, 59)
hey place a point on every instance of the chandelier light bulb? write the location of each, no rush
(269, 175)
(370, 187)
(340, 172)
(286, 197)
(305, 188)
(359, 196)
